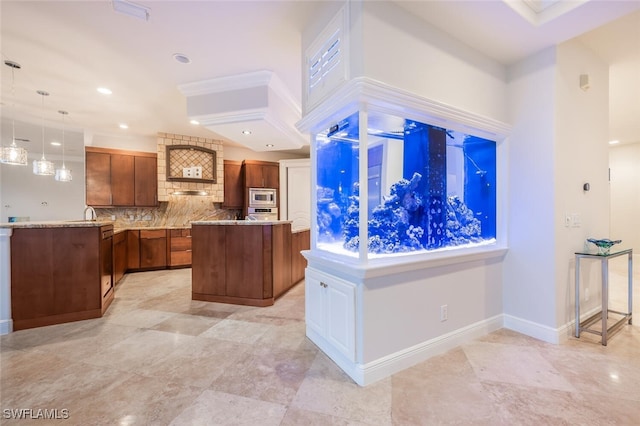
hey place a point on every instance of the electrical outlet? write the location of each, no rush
(567, 220)
(586, 294)
(444, 313)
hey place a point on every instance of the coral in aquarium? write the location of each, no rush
(397, 225)
(462, 225)
(329, 215)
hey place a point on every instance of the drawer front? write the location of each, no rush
(155, 233)
(179, 258)
(180, 233)
(180, 243)
(119, 237)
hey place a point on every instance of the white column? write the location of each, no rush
(6, 323)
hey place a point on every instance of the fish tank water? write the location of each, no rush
(422, 187)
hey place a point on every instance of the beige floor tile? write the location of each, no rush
(515, 364)
(159, 356)
(191, 325)
(218, 408)
(266, 373)
(236, 331)
(198, 362)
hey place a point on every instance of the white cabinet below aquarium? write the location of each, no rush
(330, 313)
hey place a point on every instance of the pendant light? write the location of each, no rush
(43, 167)
(13, 154)
(63, 174)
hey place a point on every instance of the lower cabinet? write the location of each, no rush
(330, 312)
(179, 248)
(146, 249)
(60, 274)
(119, 256)
(153, 249)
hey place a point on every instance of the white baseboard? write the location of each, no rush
(365, 374)
(543, 332)
(6, 327)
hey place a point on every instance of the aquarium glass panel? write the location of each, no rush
(428, 187)
(337, 156)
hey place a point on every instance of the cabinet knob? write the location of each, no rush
(323, 284)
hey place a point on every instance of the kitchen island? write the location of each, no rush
(55, 272)
(245, 262)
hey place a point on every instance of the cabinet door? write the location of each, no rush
(133, 249)
(233, 190)
(314, 301)
(153, 249)
(119, 256)
(330, 310)
(271, 176)
(340, 314)
(253, 176)
(98, 179)
(122, 180)
(146, 181)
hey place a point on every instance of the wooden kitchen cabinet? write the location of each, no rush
(146, 180)
(153, 249)
(60, 274)
(241, 264)
(117, 178)
(233, 186)
(120, 260)
(133, 249)
(261, 174)
(179, 248)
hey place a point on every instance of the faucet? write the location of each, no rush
(93, 213)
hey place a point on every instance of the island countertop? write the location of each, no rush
(241, 222)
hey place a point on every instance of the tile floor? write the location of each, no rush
(158, 358)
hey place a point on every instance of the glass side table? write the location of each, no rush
(604, 313)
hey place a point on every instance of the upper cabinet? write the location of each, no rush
(261, 174)
(116, 178)
(233, 188)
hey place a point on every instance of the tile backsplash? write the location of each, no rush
(167, 187)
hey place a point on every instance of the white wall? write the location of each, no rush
(529, 278)
(559, 142)
(41, 197)
(624, 161)
(581, 150)
(401, 50)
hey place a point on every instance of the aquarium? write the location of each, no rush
(403, 185)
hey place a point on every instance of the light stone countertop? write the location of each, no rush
(57, 224)
(240, 222)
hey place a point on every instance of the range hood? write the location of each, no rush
(253, 109)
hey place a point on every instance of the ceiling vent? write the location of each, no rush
(253, 109)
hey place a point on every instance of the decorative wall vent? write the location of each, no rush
(326, 61)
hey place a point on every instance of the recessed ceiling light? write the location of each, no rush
(269, 145)
(246, 132)
(194, 122)
(182, 58)
(56, 143)
(613, 142)
(124, 126)
(104, 90)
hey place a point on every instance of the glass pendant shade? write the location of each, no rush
(43, 167)
(13, 154)
(63, 174)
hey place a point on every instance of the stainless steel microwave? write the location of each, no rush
(262, 197)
